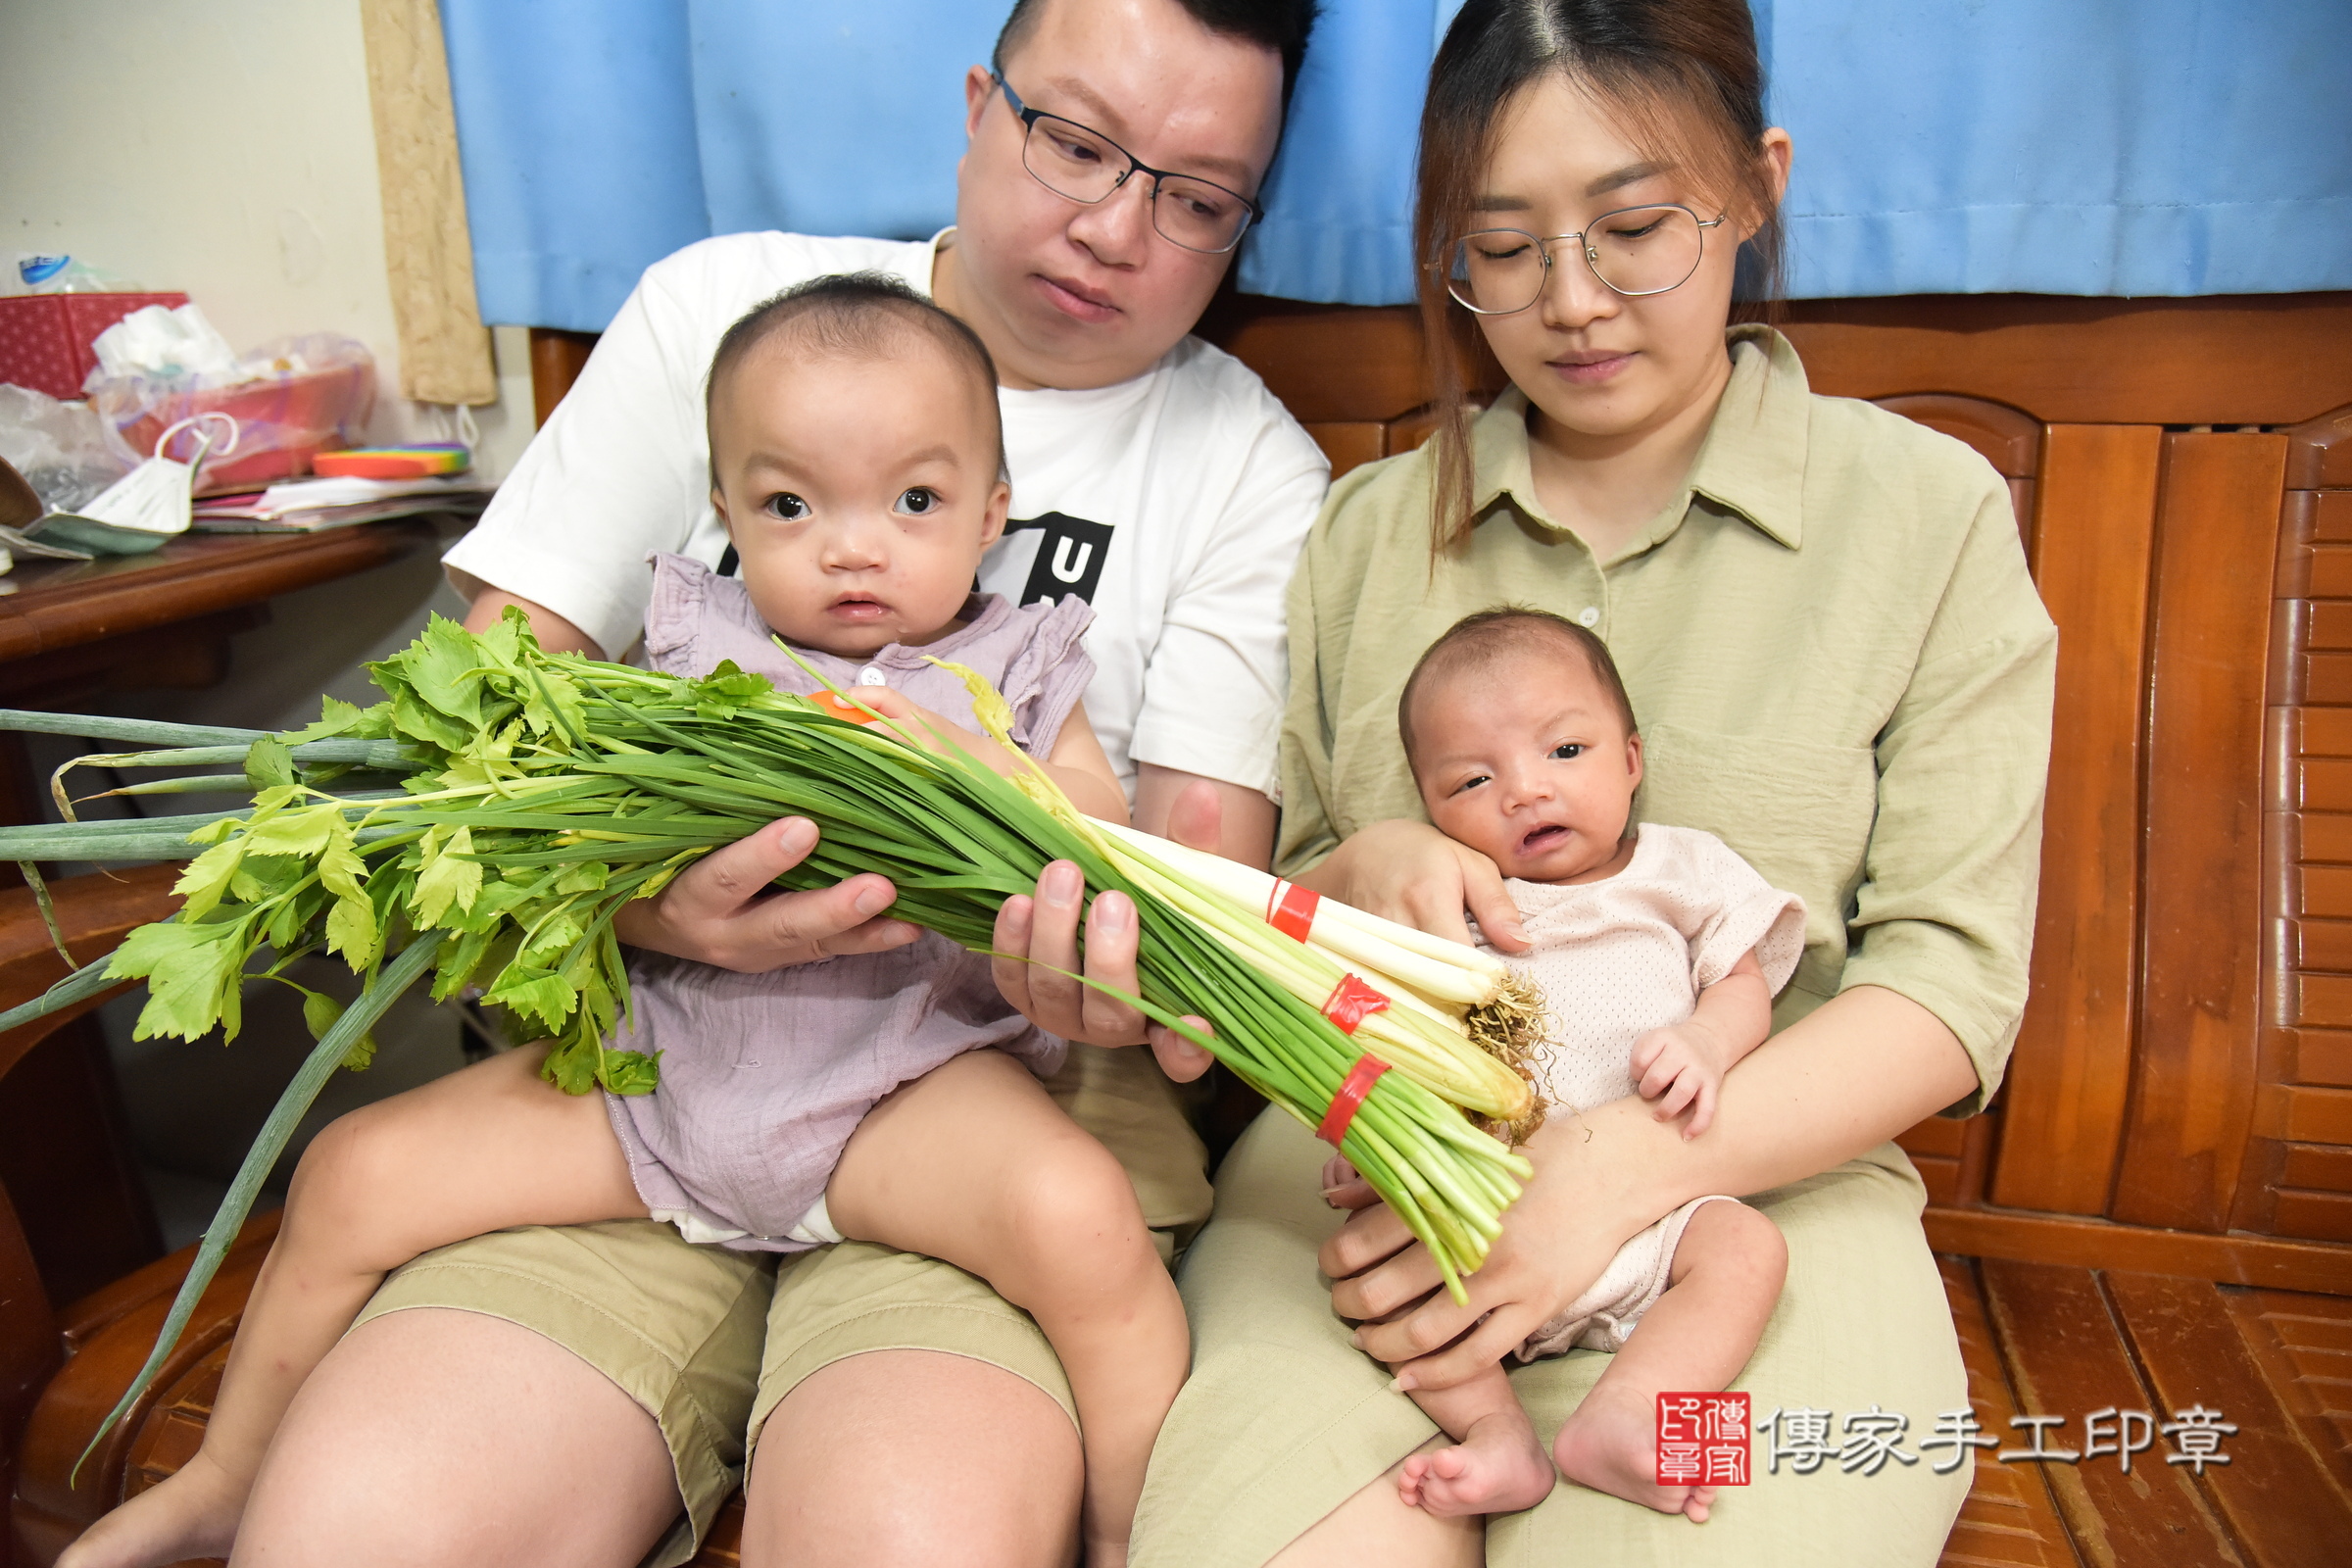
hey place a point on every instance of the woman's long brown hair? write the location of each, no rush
(1684, 75)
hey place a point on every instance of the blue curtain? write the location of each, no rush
(2056, 146)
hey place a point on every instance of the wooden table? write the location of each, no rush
(71, 631)
(70, 627)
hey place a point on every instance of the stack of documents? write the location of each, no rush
(300, 505)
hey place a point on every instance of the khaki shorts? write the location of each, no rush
(710, 1342)
(1283, 1420)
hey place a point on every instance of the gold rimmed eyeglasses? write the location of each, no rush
(1633, 251)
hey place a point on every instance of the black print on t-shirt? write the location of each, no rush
(1069, 558)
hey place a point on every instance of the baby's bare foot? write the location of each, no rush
(193, 1513)
(1615, 1451)
(1499, 1467)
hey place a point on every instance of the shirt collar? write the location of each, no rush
(1752, 462)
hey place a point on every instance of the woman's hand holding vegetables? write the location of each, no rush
(1555, 1241)
(720, 911)
(1410, 872)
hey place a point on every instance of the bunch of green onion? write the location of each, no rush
(489, 817)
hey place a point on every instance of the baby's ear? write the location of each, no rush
(999, 506)
(1633, 759)
(718, 504)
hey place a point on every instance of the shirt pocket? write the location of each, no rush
(1799, 811)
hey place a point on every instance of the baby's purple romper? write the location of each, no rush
(766, 1076)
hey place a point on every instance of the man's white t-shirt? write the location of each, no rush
(1175, 504)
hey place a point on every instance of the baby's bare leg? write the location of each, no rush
(1727, 1276)
(973, 1164)
(483, 1148)
(1496, 1464)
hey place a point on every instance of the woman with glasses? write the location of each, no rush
(1839, 665)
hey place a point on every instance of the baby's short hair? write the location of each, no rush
(856, 315)
(1493, 634)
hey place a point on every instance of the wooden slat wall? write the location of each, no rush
(2193, 1081)
(2070, 1071)
(2298, 1174)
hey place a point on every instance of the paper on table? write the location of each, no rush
(329, 503)
(318, 494)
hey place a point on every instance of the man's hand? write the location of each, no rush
(1343, 1186)
(721, 911)
(1037, 939)
(1682, 1067)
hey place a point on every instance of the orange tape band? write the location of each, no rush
(1350, 1099)
(841, 707)
(1290, 909)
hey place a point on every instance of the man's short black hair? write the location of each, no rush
(1491, 634)
(1281, 26)
(856, 316)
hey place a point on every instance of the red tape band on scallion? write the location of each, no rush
(1351, 1003)
(1350, 1099)
(1290, 909)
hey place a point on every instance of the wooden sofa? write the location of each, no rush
(2158, 1211)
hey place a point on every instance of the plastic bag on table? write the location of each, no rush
(148, 505)
(62, 448)
(291, 398)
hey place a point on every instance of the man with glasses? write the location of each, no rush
(551, 1396)
(1116, 155)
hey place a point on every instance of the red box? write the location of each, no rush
(45, 338)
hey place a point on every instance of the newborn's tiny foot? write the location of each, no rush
(192, 1513)
(1499, 1467)
(1616, 1452)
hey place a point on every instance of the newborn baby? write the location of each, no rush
(1658, 952)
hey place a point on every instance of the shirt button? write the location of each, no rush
(1588, 617)
(871, 674)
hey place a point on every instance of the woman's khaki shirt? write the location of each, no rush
(1837, 660)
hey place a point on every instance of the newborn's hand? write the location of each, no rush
(1682, 1067)
(1343, 1188)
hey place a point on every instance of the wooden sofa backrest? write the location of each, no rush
(2180, 1096)
(2183, 474)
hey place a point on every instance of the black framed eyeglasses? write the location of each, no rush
(1633, 251)
(1082, 164)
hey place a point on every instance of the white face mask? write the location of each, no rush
(151, 503)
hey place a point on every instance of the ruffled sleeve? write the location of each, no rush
(1745, 913)
(1049, 673)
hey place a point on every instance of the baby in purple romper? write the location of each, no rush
(893, 1097)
